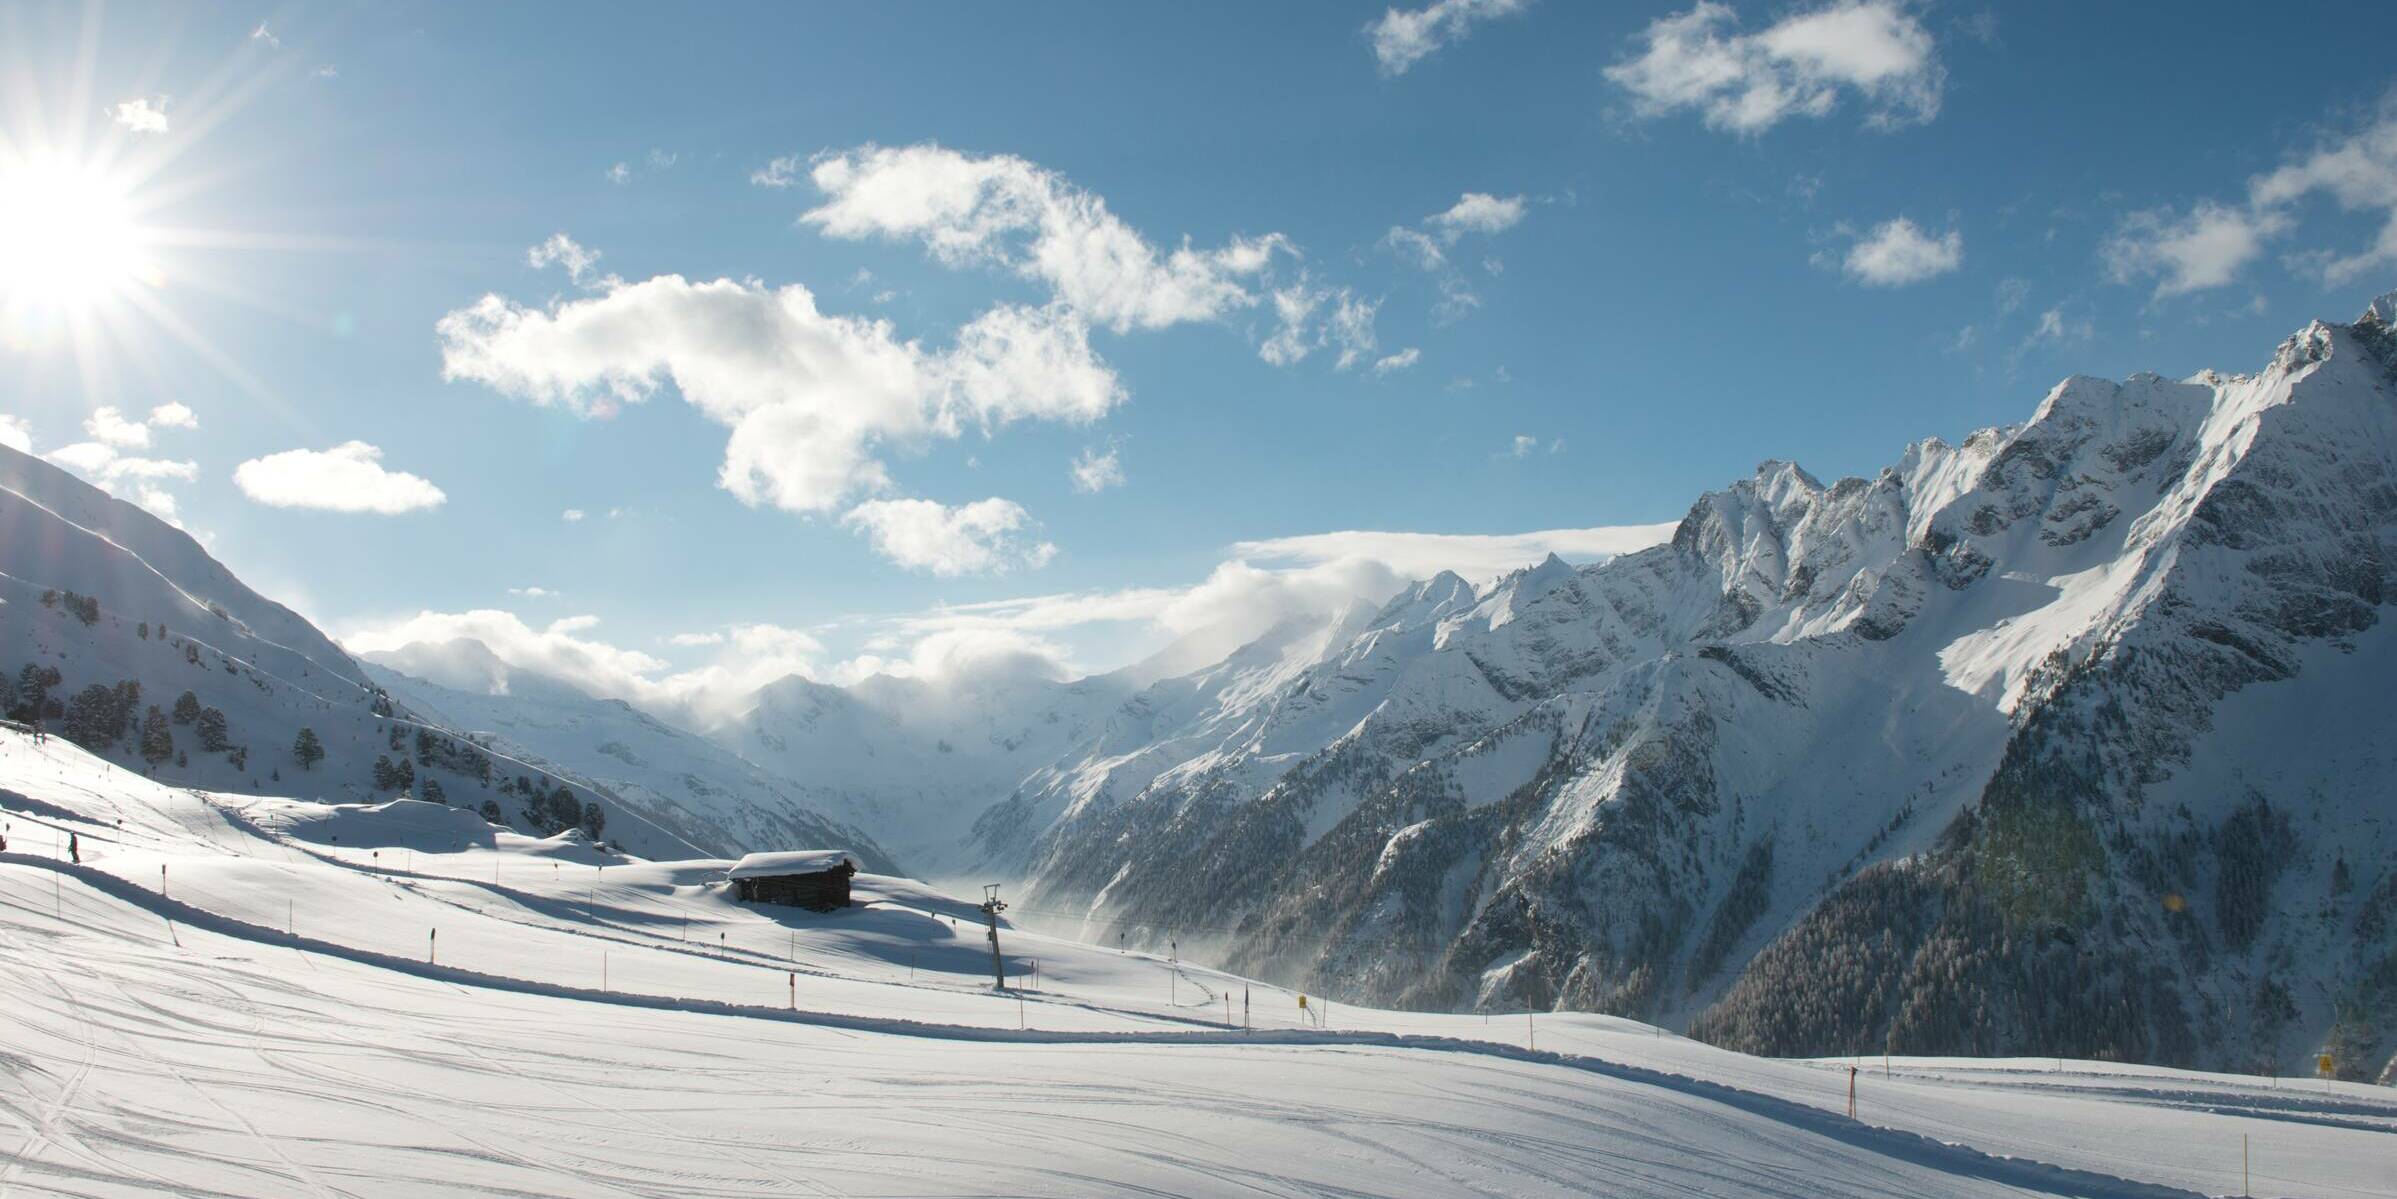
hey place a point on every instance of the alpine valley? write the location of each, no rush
(2068, 739)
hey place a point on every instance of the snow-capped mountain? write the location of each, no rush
(916, 762)
(2073, 738)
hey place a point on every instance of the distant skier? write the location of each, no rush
(74, 849)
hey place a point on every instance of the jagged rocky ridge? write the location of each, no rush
(2073, 738)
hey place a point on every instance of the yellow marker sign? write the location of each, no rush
(1302, 1001)
(2322, 1065)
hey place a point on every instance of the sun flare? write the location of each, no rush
(70, 239)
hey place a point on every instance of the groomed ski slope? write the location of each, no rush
(400, 999)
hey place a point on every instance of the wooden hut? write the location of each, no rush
(806, 878)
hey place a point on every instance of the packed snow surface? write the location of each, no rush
(238, 995)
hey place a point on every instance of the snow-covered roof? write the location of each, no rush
(793, 861)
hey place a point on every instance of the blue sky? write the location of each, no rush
(1676, 241)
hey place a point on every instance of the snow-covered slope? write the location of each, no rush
(1997, 751)
(713, 798)
(245, 995)
(129, 615)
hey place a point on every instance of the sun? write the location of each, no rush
(71, 240)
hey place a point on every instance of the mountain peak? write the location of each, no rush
(2382, 310)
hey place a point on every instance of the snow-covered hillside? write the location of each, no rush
(234, 994)
(713, 798)
(120, 632)
(2070, 738)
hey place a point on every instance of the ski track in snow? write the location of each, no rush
(184, 1043)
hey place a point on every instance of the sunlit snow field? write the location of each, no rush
(245, 996)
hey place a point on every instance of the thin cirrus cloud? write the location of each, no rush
(1799, 66)
(1402, 37)
(349, 477)
(1898, 252)
(984, 537)
(1312, 318)
(2212, 243)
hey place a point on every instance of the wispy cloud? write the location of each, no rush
(1403, 37)
(1800, 66)
(2211, 243)
(1094, 472)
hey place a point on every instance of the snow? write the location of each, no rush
(793, 861)
(252, 995)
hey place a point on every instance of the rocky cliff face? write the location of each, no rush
(2074, 737)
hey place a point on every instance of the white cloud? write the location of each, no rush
(1094, 472)
(1523, 446)
(810, 398)
(1347, 324)
(1478, 212)
(326, 71)
(109, 426)
(1799, 66)
(1398, 361)
(571, 515)
(986, 536)
(555, 651)
(172, 415)
(780, 172)
(2212, 243)
(1475, 556)
(2205, 248)
(350, 477)
(1416, 246)
(142, 114)
(1294, 307)
(532, 593)
(262, 34)
(563, 251)
(1265, 583)
(2359, 173)
(1898, 252)
(2054, 326)
(16, 433)
(140, 480)
(1004, 210)
(1350, 328)
(620, 174)
(1428, 246)
(1403, 37)
(660, 160)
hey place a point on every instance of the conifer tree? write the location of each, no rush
(213, 734)
(157, 738)
(187, 708)
(307, 750)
